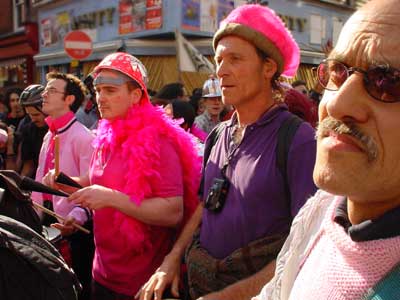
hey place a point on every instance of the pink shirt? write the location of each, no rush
(115, 265)
(75, 153)
(338, 268)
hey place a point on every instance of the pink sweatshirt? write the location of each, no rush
(75, 153)
(337, 268)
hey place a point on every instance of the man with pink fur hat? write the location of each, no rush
(249, 201)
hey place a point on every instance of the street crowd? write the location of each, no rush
(250, 188)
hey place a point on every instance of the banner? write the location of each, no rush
(191, 14)
(208, 15)
(139, 15)
(224, 8)
(190, 59)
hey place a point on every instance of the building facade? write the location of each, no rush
(18, 44)
(146, 29)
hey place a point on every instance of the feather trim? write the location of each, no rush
(137, 136)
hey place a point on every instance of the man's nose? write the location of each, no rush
(349, 102)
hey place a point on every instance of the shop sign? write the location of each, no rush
(204, 15)
(93, 19)
(139, 15)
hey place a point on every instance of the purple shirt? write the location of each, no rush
(256, 206)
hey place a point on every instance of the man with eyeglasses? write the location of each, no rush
(62, 97)
(345, 242)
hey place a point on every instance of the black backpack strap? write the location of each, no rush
(286, 133)
(212, 139)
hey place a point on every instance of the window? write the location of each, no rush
(317, 29)
(348, 3)
(337, 26)
(39, 2)
(19, 14)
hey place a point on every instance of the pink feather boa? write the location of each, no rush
(136, 137)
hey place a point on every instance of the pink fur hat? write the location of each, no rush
(263, 28)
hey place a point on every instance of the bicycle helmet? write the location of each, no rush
(32, 96)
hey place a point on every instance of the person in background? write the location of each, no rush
(15, 112)
(3, 146)
(184, 113)
(195, 99)
(345, 242)
(88, 114)
(3, 108)
(300, 86)
(32, 134)
(301, 106)
(213, 105)
(170, 92)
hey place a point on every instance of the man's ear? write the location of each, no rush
(270, 68)
(69, 99)
(136, 95)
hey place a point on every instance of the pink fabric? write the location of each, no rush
(75, 153)
(3, 136)
(118, 267)
(58, 123)
(197, 132)
(138, 139)
(54, 126)
(265, 21)
(338, 268)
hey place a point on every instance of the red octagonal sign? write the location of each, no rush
(78, 44)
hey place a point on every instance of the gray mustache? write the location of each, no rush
(331, 124)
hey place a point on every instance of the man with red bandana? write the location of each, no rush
(142, 180)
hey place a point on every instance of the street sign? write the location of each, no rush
(78, 45)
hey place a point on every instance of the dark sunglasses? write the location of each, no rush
(381, 82)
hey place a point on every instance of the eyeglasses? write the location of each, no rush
(52, 91)
(381, 82)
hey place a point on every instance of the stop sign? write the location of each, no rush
(78, 45)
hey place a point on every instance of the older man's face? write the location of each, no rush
(243, 76)
(361, 159)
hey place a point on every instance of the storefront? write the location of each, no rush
(315, 26)
(143, 28)
(146, 29)
(17, 68)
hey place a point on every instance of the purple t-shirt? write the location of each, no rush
(255, 205)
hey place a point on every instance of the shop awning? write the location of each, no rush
(23, 49)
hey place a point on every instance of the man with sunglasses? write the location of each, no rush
(62, 97)
(345, 242)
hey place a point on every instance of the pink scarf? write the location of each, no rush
(54, 126)
(136, 136)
